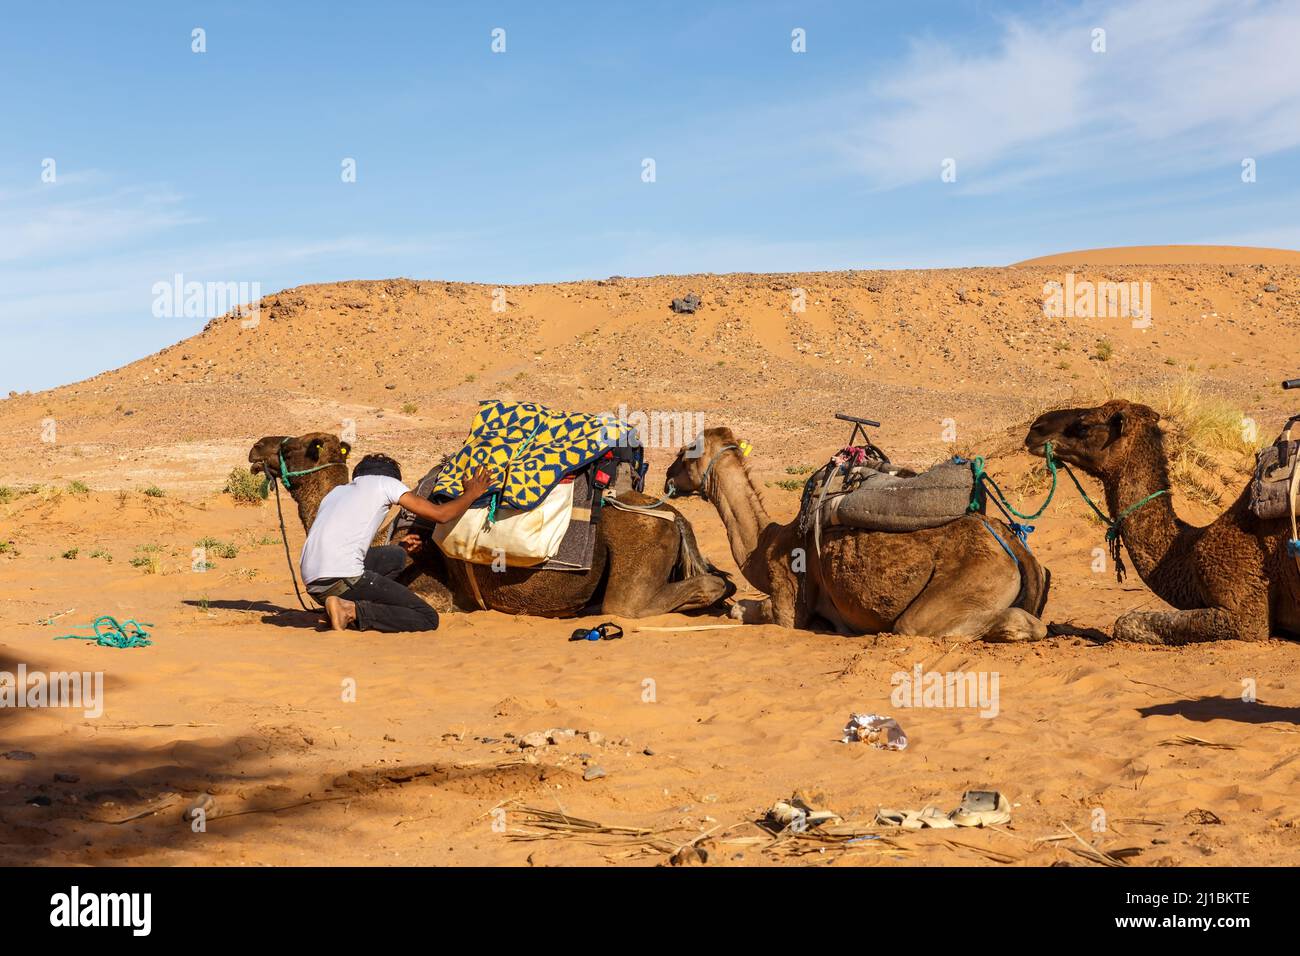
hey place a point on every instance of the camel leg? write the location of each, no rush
(1185, 627)
(431, 589)
(973, 604)
(784, 605)
(936, 619)
(1013, 624)
(701, 591)
(638, 584)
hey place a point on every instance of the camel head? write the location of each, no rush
(1098, 440)
(306, 454)
(687, 472)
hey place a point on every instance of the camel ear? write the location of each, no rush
(1118, 424)
(313, 449)
(344, 448)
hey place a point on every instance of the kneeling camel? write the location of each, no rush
(641, 566)
(952, 581)
(1231, 579)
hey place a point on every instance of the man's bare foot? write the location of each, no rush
(342, 614)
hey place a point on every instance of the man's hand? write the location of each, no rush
(473, 488)
(411, 544)
(477, 484)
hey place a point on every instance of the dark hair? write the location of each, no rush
(377, 465)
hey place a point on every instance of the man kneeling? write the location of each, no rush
(355, 582)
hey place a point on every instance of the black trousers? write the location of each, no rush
(383, 604)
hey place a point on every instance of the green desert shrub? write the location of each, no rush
(245, 487)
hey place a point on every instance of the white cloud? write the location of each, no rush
(1181, 86)
(56, 220)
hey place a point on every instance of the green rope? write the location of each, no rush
(286, 474)
(1112, 524)
(129, 633)
(1105, 518)
(982, 477)
(496, 494)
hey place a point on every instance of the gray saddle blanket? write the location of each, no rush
(880, 500)
(1270, 491)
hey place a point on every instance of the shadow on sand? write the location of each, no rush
(272, 613)
(1204, 709)
(85, 794)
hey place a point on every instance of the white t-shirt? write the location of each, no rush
(345, 524)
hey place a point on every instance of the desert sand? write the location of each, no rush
(242, 699)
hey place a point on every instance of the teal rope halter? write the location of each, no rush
(982, 477)
(286, 474)
(1113, 524)
(128, 633)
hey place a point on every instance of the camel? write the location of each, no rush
(641, 566)
(954, 581)
(1229, 580)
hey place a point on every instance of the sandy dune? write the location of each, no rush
(1170, 255)
(240, 698)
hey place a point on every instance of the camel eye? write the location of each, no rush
(1076, 430)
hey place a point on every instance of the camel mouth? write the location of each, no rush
(1036, 446)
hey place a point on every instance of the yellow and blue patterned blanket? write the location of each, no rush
(528, 448)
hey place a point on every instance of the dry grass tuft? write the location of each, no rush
(1208, 440)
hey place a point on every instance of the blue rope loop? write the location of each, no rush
(109, 632)
(1293, 547)
(1021, 531)
(998, 538)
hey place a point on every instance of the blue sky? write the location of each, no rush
(225, 166)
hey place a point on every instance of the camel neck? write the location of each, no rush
(310, 490)
(1152, 534)
(739, 505)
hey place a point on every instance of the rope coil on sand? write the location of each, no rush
(124, 634)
